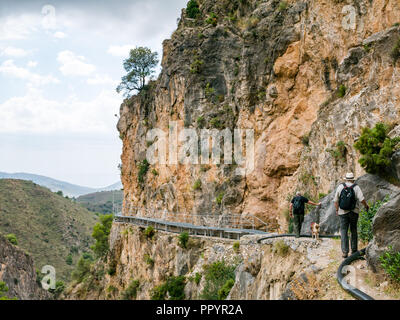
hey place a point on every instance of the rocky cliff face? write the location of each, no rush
(18, 272)
(303, 74)
(284, 269)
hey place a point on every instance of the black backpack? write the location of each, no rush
(297, 205)
(347, 199)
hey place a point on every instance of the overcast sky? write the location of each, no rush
(60, 62)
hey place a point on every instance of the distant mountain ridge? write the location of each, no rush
(68, 189)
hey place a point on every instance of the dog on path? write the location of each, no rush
(315, 230)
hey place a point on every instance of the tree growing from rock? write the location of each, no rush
(376, 148)
(139, 66)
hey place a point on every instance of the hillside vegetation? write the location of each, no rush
(53, 229)
(101, 202)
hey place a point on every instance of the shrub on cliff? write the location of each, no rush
(3, 291)
(365, 220)
(212, 19)
(395, 53)
(390, 262)
(143, 168)
(183, 239)
(139, 66)
(173, 286)
(226, 288)
(197, 185)
(82, 269)
(12, 238)
(131, 292)
(376, 148)
(216, 276)
(60, 287)
(149, 232)
(192, 9)
(101, 232)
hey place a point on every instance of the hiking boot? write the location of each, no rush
(345, 255)
(353, 252)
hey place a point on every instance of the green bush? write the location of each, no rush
(390, 262)
(226, 288)
(236, 246)
(149, 260)
(101, 232)
(143, 168)
(82, 269)
(212, 19)
(69, 261)
(131, 292)
(192, 9)
(197, 185)
(174, 286)
(183, 239)
(395, 53)
(159, 292)
(3, 291)
(305, 139)
(376, 148)
(282, 6)
(197, 278)
(201, 122)
(341, 91)
(149, 232)
(339, 152)
(216, 123)
(12, 238)
(209, 92)
(112, 268)
(365, 220)
(216, 275)
(60, 287)
(219, 197)
(196, 66)
(281, 248)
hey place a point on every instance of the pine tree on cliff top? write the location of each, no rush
(139, 66)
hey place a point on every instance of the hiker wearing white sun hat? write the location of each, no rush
(347, 200)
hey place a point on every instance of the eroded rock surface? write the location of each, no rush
(18, 272)
(275, 70)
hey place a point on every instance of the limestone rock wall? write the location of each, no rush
(270, 271)
(276, 70)
(18, 272)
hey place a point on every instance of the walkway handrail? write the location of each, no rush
(212, 220)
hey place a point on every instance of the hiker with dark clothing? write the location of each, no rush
(347, 200)
(297, 206)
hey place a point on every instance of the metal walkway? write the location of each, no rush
(192, 229)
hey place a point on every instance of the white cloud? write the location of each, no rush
(18, 27)
(8, 68)
(59, 35)
(32, 64)
(34, 113)
(102, 80)
(120, 51)
(14, 52)
(73, 65)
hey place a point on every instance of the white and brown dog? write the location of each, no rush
(315, 231)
